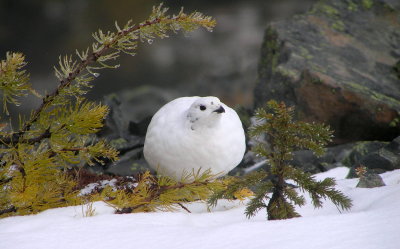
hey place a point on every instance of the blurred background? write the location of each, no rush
(222, 63)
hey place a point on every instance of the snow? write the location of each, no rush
(373, 223)
(92, 186)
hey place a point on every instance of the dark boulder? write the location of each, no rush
(370, 181)
(333, 157)
(362, 149)
(338, 64)
(124, 135)
(377, 157)
(303, 159)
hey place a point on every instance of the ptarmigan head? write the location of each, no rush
(205, 113)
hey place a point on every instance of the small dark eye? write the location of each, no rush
(202, 107)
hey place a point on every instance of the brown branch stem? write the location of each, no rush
(14, 139)
(185, 208)
(8, 210)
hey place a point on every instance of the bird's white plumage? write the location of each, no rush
(192, 133)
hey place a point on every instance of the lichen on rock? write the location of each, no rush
(338, 63)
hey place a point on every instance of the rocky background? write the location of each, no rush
(337, 64)
(336, 61)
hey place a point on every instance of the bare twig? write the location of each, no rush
(185, 208)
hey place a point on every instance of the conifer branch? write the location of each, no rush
(60, 132)
(155, 194)
(237, 187)
(66, 82)
(152, 193)
(123, 40)
(13, 79)
(14, 139)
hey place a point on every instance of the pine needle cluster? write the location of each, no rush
(237, 188)
(283, 137)
(152, 193)
(14, 81)
(60, 133)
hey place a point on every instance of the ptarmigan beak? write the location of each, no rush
(220, 110)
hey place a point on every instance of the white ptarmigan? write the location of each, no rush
(192, 133)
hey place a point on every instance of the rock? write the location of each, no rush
(130, 163)
(304, 159)
(125, 136)
(382, 159)
(377, 157)
(361, 149)
(394, 146)
(396, 69)
(139, 128)
(333, 157)
(338, 64)
(140, 103)
(116, 124)
(370, 180)
(117, 129)
(308, 162)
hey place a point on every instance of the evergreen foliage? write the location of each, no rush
(59, 134)
(283, 137)
(153, 193)
(237, 187)
(14, 80)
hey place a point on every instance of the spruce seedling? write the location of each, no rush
(283, 137)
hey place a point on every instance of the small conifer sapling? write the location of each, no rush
(283, 137)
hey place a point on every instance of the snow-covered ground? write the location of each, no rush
(373, 223)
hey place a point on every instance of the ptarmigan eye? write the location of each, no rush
(202, 107)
